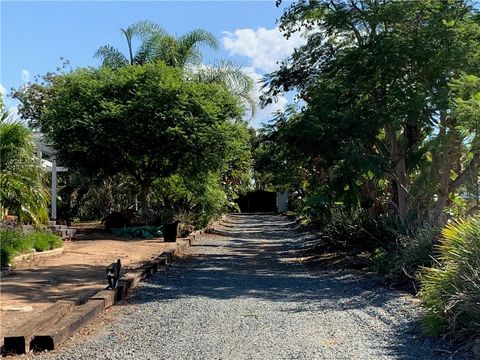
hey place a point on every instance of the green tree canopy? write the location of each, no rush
(146, 121)
(375, 78)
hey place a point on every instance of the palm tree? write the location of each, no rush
(231, 76)
(157, 44)
(183, 52)
(23, 191)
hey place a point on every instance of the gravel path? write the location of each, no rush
(240, 297)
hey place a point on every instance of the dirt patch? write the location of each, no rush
(75, 275)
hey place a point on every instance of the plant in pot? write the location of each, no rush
(171, 224)
(170, 231)
(172, 202)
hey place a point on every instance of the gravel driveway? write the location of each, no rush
(240, 296)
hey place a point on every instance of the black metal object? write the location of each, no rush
(258, 201)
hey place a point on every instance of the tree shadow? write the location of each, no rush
(74, 282)
(260, 262)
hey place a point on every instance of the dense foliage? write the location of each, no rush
(23, 191)
(15, 242)
(451, 289)
(383, 146)
(380, 126)
(126, 131)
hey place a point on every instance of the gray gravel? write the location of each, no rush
(241, 297)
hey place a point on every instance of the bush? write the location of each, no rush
(401, 260)
(356, 230)
(6, 255)
(42, 241)
(450, 290)
(14, 242)
(119, 219)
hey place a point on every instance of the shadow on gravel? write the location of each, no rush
(257, 261)
(256, 264)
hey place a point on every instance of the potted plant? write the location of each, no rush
(170, 231)
(170, 224)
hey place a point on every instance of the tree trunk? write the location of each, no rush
(399, 173)
(447, 159)
(144, 197)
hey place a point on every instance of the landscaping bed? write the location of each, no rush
(16, 242)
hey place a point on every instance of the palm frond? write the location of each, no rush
(189, 43)
(199, 37)
(145, 29)
(111, 56)
(231, 76)
(22, 183)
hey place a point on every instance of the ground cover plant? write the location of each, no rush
(146, 232)
(15, 242)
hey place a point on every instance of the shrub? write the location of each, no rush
(41, 244)
(12, 242)
(42, 241)
(353, 229)
(119, 219)
(401, 260)
(451, 290)
(6, 255)
(15, 240)
(146, 232)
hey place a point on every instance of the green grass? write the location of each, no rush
(43, 241)
(450, 291)
(15, 242)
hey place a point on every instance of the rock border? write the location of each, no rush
(63, 319)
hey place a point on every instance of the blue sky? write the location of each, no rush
(35, 34)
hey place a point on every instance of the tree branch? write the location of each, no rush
(462, 177)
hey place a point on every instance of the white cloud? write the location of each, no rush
(266, 114)
(25, 76)
(264, 47)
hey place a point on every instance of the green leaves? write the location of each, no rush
(23, 190)
(157, 45)
(450, 290)
(146, 121)
(375, 80)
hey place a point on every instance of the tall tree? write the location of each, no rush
(375, 77)
(156, 44)
(165, 125)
